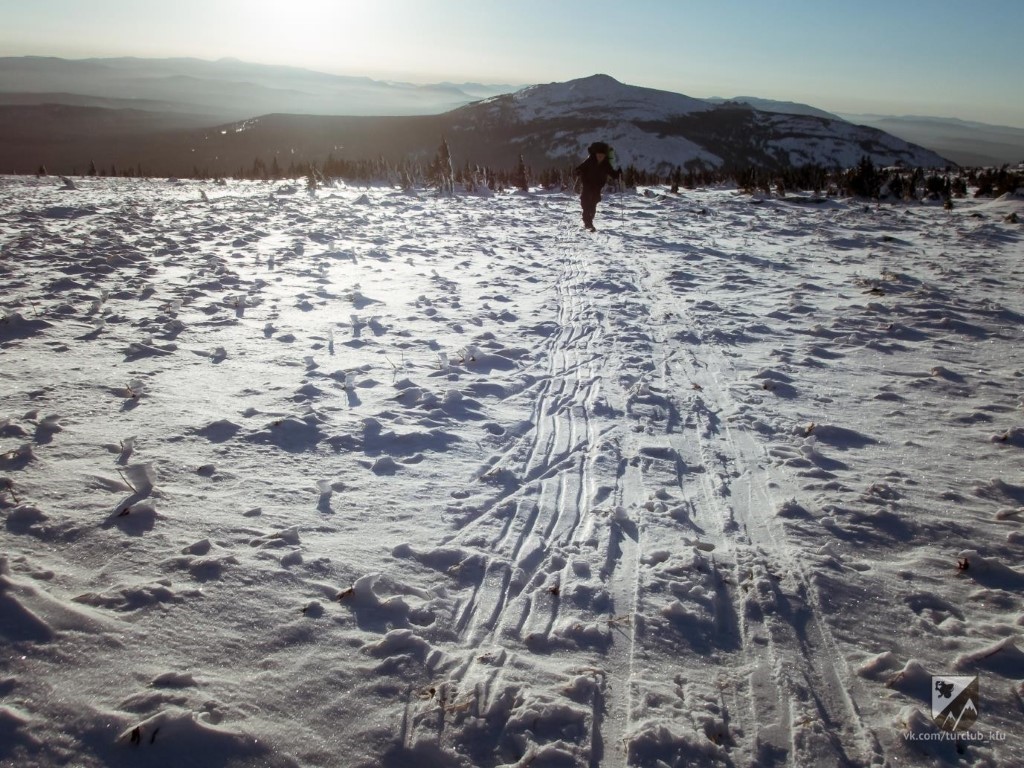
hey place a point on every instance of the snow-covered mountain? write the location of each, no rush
(658, 130)
(184, 93)
(596, 96)
(548, 125)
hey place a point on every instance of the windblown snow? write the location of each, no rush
(376, 478)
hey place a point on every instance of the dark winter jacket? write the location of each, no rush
(593, 174)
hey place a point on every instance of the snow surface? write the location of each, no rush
(371, 478)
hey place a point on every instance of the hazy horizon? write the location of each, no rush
(936, 59)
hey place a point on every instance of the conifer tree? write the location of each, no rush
(441, 172)
(522, 178)
(864, 181)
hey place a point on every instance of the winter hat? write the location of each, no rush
(598, 147)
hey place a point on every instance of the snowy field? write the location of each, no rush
(372, 478)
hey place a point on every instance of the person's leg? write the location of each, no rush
(589, 202)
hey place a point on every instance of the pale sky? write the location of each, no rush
(946, 58)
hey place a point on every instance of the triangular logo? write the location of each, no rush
(954, 702)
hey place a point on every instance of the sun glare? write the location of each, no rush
(319, 34)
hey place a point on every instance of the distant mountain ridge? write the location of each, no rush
(229, 89)
(175, 115)
(962, 141)
(191, 92)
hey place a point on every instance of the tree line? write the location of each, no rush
(865, 180)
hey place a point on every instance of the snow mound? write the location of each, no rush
(177, 736)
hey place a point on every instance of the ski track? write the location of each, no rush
(764, 697)
(526, 572)
(767, 599)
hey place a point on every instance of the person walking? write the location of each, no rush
(593, 173)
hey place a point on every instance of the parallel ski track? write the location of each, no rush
(796, 708)
(517, 606)
(552, 463)
(798, 680)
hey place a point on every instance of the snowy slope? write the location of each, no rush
(801, 140)
(601, 95)
(371, 478)
(772, 105)
(658, 131)
(633, 146)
